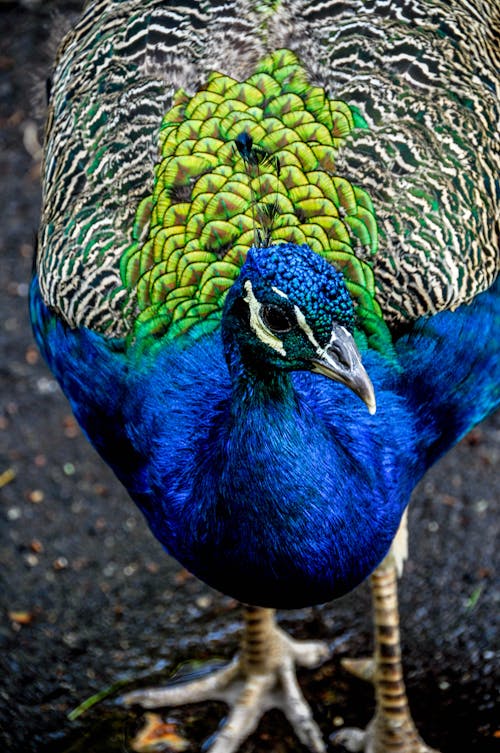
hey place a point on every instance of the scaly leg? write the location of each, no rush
(392, 729)
(261, 677)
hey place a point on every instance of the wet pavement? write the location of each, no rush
(88, 598)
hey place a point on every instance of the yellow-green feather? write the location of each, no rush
(207, 204)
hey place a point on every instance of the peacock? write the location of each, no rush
(265, 279)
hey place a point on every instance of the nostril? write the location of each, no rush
(337, 352)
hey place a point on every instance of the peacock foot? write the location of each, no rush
(261, 677)
(382, 736)
(392, 729)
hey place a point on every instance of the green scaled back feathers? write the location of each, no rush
(209, 205)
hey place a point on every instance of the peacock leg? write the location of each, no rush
(392, 729)
(261, 677)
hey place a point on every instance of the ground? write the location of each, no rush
(88, 597)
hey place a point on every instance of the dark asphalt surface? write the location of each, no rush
(88, 597)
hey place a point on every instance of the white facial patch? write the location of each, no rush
(279, 292)
(256, 323)
(301, 321)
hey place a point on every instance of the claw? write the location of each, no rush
(351, 738)
(363, 669)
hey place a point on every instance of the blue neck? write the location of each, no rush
(269, 540)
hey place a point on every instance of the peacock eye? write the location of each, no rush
(275, 319)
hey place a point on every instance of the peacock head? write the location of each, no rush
(290, 310)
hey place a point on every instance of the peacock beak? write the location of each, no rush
(341, 361)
